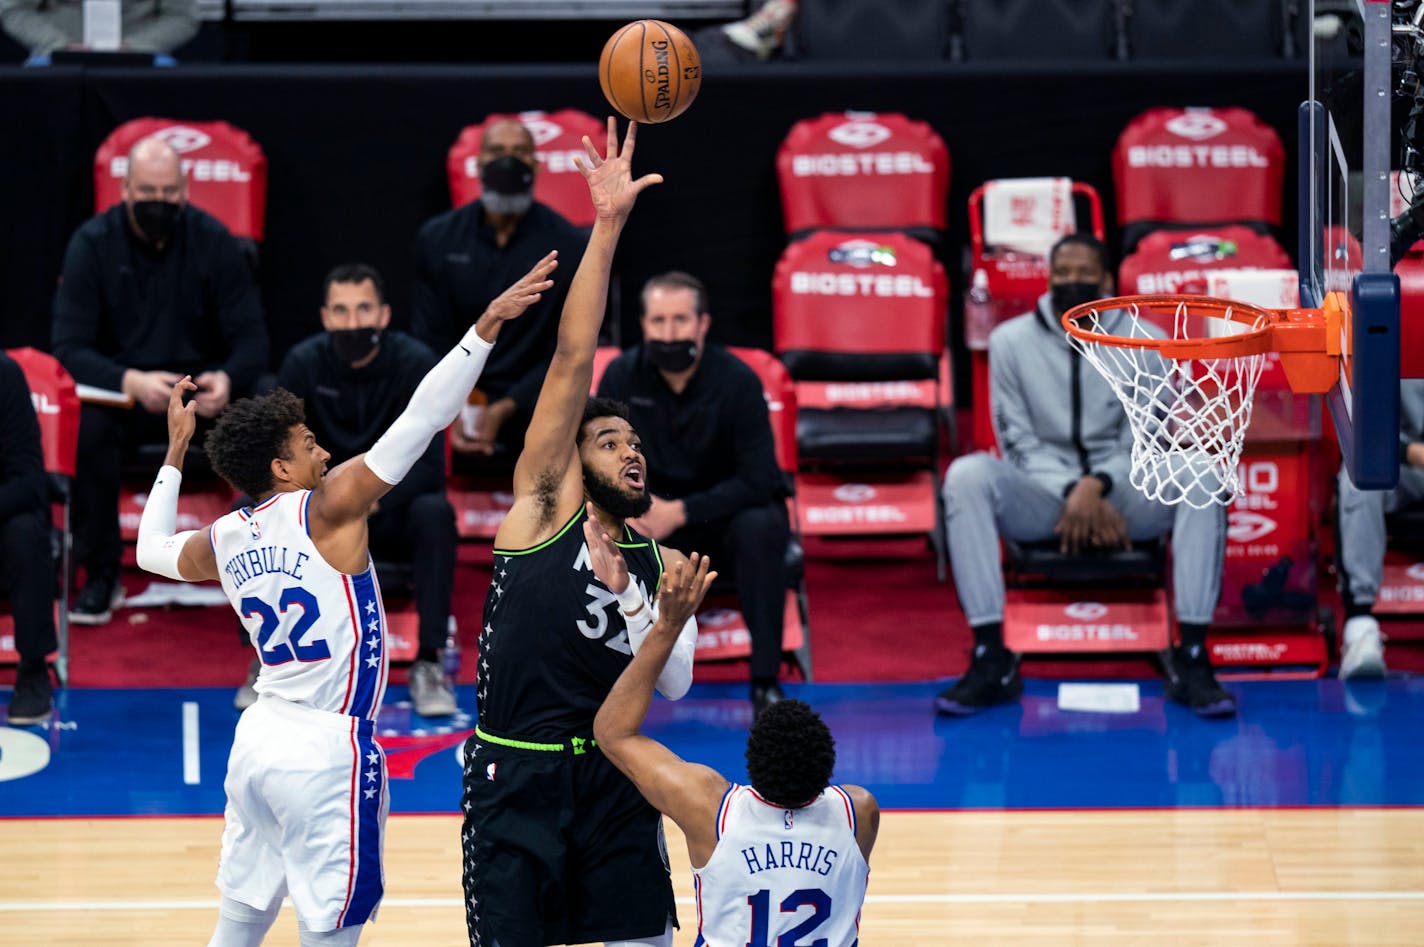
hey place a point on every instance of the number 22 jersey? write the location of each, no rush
(320, 633)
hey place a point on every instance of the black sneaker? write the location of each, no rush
(992, 678)
(33, 698)
(764, 695)
(95, 604)
(1191, 681)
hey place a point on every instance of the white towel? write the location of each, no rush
(1028, 214)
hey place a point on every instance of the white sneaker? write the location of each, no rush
(1362, 651)
(762, 32)
(430, 693)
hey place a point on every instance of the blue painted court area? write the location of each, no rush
(1295, 743)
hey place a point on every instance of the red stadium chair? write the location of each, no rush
(1013, 223)
(1191, 167)
(227, 171)
(57, 407)
(859, 321)
(864, 171)
(558, 137)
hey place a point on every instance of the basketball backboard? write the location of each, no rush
(1348, 143)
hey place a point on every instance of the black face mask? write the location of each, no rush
(508, 185)
(672, 356)
(352, 345)
(156, 219)
(1067, 295)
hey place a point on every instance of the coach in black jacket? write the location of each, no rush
(712, 467)
(152, 289)
(356, 378)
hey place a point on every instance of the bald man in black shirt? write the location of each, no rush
(152, 289)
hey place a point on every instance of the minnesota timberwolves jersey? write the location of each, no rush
(321, 634)
(554, 640)
(784, 876)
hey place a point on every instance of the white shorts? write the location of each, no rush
(306, 814)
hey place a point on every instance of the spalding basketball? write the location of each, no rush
(650, 71)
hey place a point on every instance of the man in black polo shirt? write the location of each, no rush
(706, 432)
(152, 289)
(356, 378)
(467, 256)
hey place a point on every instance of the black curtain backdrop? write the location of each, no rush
(356, 159)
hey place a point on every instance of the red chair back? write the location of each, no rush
(780, 393)
(558, 137)
(56, 405)
(1177, 261)
(1198, 165)
(226, 169)
(863, 170)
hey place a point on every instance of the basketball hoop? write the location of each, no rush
(1185, 369)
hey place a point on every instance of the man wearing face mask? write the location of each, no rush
(1064, 473)
(707, 436)
(466, 257)
(355, 379)
(152, 289)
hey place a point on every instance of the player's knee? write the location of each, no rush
(968, 479)
(341, 937)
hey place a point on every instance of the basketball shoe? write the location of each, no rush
(1361, 649)
(992, 678)
(761, 33)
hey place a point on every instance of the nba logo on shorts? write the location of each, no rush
(489, 771)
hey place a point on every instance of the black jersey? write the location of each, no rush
(554, 639)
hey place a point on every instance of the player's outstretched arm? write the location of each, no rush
(187, 556)
(607, 563)
(346, 493)
(686, 792)
(549, 443)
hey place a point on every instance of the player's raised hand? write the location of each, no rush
(610, 177)
(682, 590)
(526, 291)
(603, 556)
(182, 418)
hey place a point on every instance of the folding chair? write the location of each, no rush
(57, 407)
(859, 321)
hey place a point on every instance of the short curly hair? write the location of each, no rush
(249, 435)
(790, 754)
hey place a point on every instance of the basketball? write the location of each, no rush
(650, 71)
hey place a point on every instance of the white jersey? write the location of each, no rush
(321, 634)
(782, 876)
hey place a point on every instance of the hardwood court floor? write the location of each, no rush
(1275, 877)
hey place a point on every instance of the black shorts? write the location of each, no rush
(559, 849)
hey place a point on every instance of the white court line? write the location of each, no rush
(192, 772)
(1025, 898)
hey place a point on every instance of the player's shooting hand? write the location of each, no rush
(182, 420)
(603, 556)
(610, 178)
(510, 304)
(682, 590)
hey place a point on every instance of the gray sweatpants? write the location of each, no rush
(986, 497)
(1361, 538)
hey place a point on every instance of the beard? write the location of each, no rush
(510, 205)
(608, 497)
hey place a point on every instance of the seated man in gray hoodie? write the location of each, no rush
(1359, 542)
(1064, 472)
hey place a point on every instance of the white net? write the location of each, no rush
(1188, 416)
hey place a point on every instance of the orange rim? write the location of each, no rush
(1308, 340)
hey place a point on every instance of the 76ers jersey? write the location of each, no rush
(321, 634)
(782, 876)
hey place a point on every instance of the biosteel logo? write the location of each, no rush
(854, 493)
(540, 127)
(1196, 125)
(183, 139)
(859, 133)
(1246, 527)
(1416, 572)
(1086, 611)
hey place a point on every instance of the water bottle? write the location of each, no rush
(978, 312)
(450, 658)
